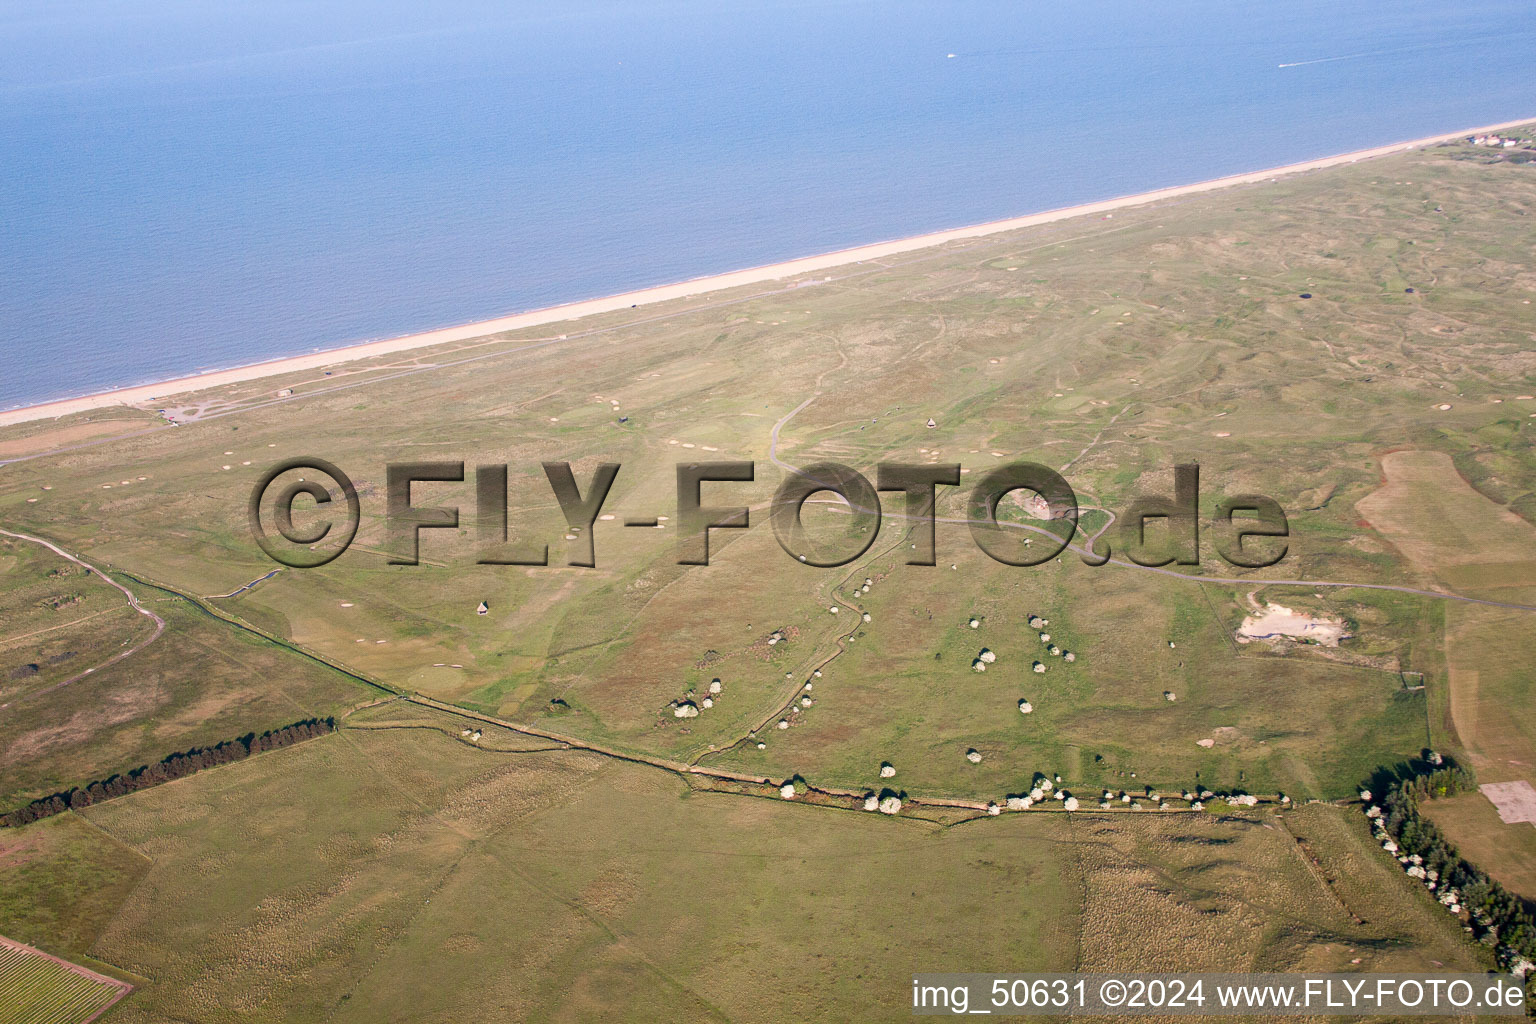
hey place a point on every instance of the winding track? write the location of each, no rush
(1089, 558)
(133, 602)
(679, 768)
(694, 769)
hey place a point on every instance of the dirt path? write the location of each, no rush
(1096, 437)
(51, 629)
(133, 602)
(679, 768)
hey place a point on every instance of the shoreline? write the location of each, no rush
(138, 395)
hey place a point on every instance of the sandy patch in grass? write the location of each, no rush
(1275, 621)
(1515, 801)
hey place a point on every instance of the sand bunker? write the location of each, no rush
(1276, 621)
(1515, 801)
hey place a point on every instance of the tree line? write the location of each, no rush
(174, 766)
(1499, 918)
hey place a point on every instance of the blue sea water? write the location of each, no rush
(188, 185)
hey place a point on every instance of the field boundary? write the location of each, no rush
(122, 987)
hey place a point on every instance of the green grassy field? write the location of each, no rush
(404, 875)
(58, 621)
(1458, 537)
(443, 880)
(1509, 850)
(61, 881)
(200, 683)
(1178, 358)
(374, 873)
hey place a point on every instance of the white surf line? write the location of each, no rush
(142, 394)
(133, 602)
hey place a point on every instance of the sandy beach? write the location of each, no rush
(156, 393)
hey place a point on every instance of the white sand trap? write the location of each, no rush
(1515, 801)
(1278, 621)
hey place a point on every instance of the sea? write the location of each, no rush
(188, 186)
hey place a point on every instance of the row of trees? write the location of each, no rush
(1498, 917)
(173, 767)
